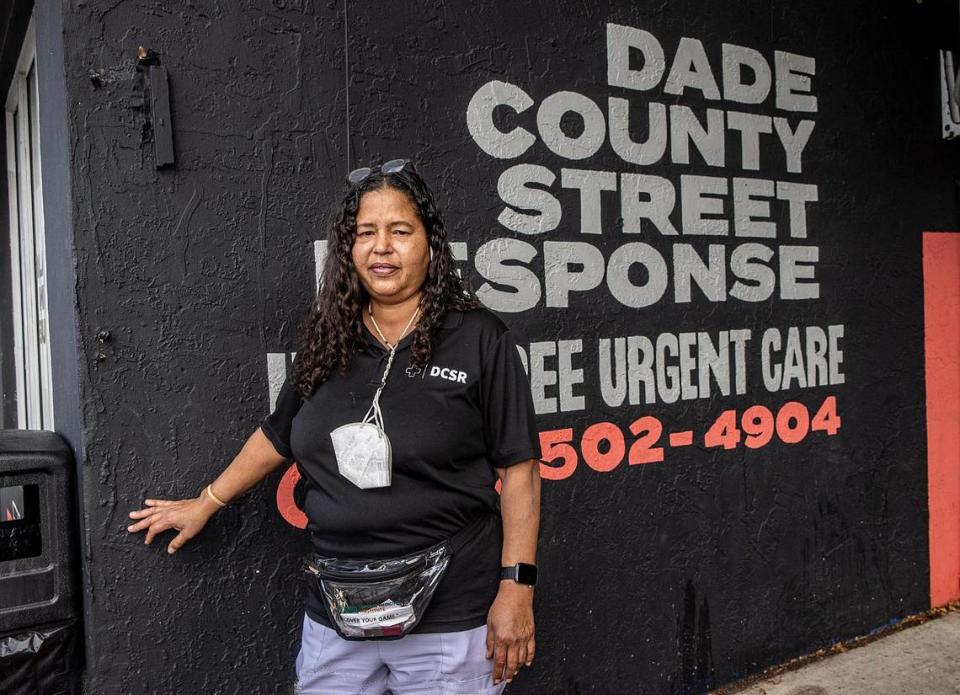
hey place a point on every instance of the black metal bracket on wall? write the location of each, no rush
(152, 95)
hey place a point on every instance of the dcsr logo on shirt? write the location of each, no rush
(456, 375)
(449, 374)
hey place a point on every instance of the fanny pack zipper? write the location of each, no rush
(365, 576)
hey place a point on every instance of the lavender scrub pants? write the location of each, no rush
(442, 663)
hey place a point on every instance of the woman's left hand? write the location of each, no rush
(510, 630)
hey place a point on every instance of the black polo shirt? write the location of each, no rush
(450, 424)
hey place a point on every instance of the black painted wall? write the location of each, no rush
(666, 577)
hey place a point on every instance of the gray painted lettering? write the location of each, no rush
(797, 263)
(749, 203)
(750, 126)
(793, 361)
(640, 369)
(560, 280)
(687, 344)
(668, 379)
(793, 141)
(480, 124)
(513, 189)
(793, 74)
(771, 371)
(661, 198)
(698, 198)
(619, 283)
(568, 376)
(762, 278)
(643, 153)
(590, 184)
(690, 68)
(613, 370)
(815, 350)
(685, 128)
(835, 333)
(552, 110)
(620, 39)
(541, 377)
(688, 265)
(735, 58)
(525, 283)
(798, 195)
(739, 339)
(713, 360)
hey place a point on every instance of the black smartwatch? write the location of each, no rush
(521, 573)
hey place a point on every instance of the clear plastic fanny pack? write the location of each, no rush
(379, 599)
(383, 599)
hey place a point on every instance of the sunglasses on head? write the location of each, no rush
(392, 167)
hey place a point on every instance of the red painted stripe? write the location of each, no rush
(941, 307)
(684, 438)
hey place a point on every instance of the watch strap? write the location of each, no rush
(520, 571)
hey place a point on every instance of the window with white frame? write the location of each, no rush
(28, 267)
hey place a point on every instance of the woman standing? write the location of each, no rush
(407, 402)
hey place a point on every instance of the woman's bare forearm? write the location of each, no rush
(510, 623)
(520, 508)
(255, 461)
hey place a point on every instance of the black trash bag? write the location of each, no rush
(45, 660)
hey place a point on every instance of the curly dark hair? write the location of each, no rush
(331, 331)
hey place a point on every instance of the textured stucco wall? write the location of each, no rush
(195, 272)
(664, 578)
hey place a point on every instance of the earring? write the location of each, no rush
(431, 255)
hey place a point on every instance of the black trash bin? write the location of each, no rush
(41, 647)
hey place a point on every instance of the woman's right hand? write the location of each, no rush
(186, 516)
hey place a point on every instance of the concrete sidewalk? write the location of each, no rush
(919, 660)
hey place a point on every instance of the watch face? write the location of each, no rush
(526, 574)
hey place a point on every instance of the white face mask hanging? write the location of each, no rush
(363, 448)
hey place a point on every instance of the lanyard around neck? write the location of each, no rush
(402, 334)
(374, 410)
